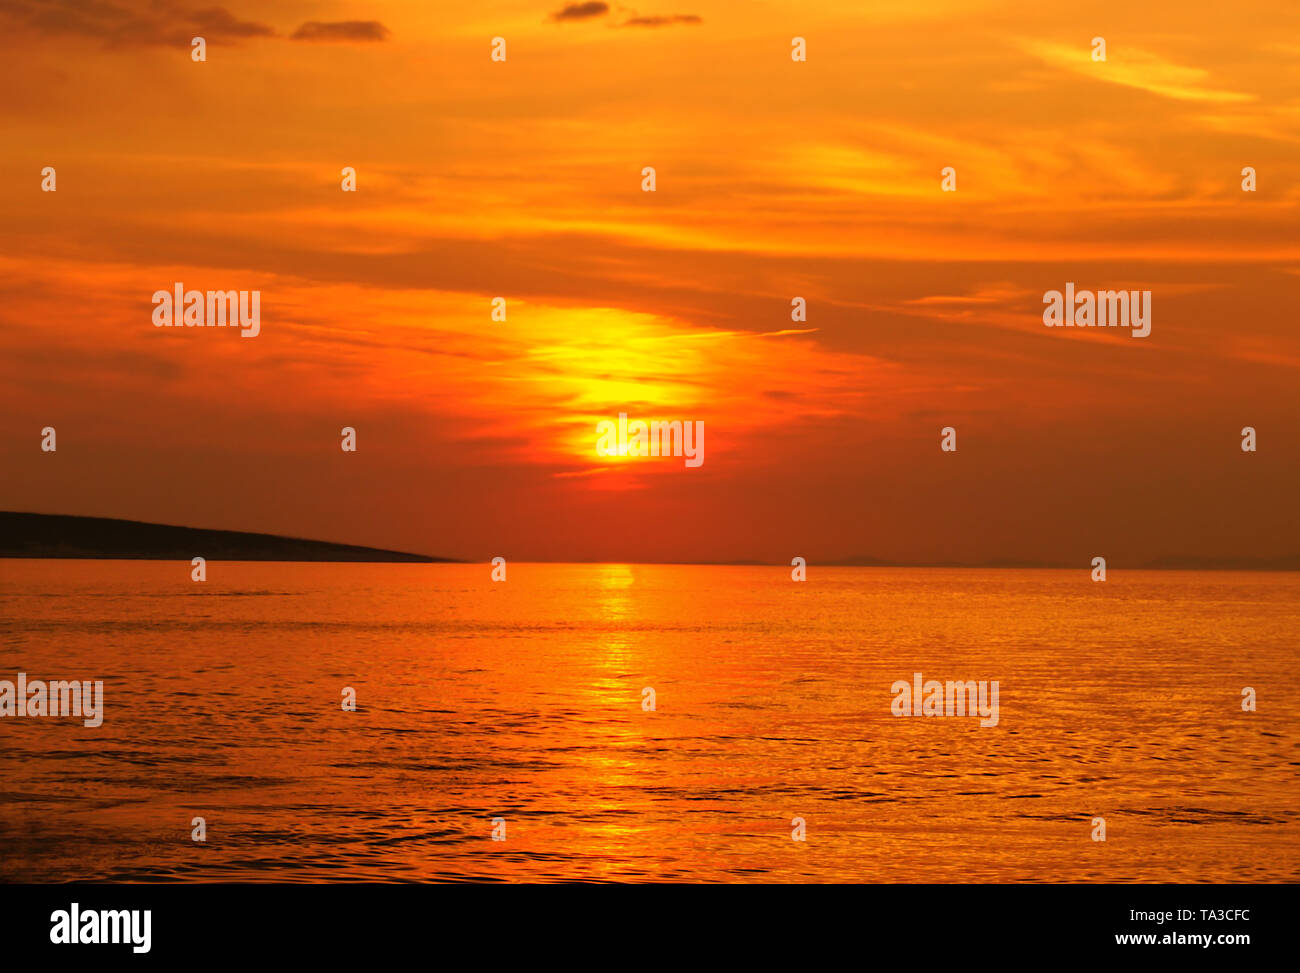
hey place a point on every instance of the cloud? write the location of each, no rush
(164, 22)
(341, 30)
(221, 23)
(593, 9)
(119, 25)
(666, 20)
(581, 11)
(1136, 68)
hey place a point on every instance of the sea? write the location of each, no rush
(316, 722)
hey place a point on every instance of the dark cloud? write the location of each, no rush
(342, 30)
(591, 10)
(666, 20)
(581, 11)
(117, 24)
(220, 23)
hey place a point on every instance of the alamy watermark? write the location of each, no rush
(952, 698)
(56, 698)
(212, 309)
(75, 926)
(654, 438)
(1098, 309)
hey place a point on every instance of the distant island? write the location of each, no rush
(861, 561)
(58, 536)
(26, 535)
(1286, 562)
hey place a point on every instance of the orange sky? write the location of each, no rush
(775, 179)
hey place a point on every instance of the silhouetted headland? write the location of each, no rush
(56, 535)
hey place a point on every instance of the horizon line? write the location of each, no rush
(46, 549)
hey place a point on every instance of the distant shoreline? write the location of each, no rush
(59, 536)
(66, 537)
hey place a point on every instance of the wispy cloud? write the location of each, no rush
(342, 30)
(580, 11)
(165, 22)
(1136, 68)
(594, 9)
(666, 20)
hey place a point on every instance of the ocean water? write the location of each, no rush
(523, 700)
